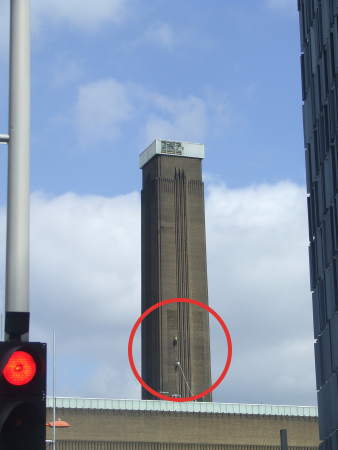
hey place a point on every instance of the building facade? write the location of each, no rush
(175, 338)
(319, 63)
(110, 424)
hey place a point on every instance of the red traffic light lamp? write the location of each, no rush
(20, 369)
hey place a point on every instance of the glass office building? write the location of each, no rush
(319, 63)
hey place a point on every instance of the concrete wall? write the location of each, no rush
(159, 427)
(80, 445)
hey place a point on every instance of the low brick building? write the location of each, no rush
(106, 424)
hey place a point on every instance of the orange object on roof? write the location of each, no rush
(58, 424)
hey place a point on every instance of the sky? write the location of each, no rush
(110, 76)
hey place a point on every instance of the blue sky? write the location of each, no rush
(233, 66)
(107, 78)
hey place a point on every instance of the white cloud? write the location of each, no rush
(258, 281)
(79, 234)
(82, 14)
(85, 283)
(161, 34)
(101, 108)
(104, 107)
(184, 119)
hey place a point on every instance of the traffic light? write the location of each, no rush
(22, 395)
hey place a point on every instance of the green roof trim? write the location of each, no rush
(184, 407)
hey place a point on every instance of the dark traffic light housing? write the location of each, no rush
(22, 395)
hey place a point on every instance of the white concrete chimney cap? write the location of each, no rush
(171, 148)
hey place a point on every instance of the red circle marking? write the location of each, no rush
(131, 358)
(20, 369)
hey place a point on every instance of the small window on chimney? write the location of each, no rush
(171, 148)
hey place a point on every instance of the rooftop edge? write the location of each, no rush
(184, 407)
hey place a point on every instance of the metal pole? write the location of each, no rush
(284, 439)
(54, 400)
(178, 364)
(17, 249)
